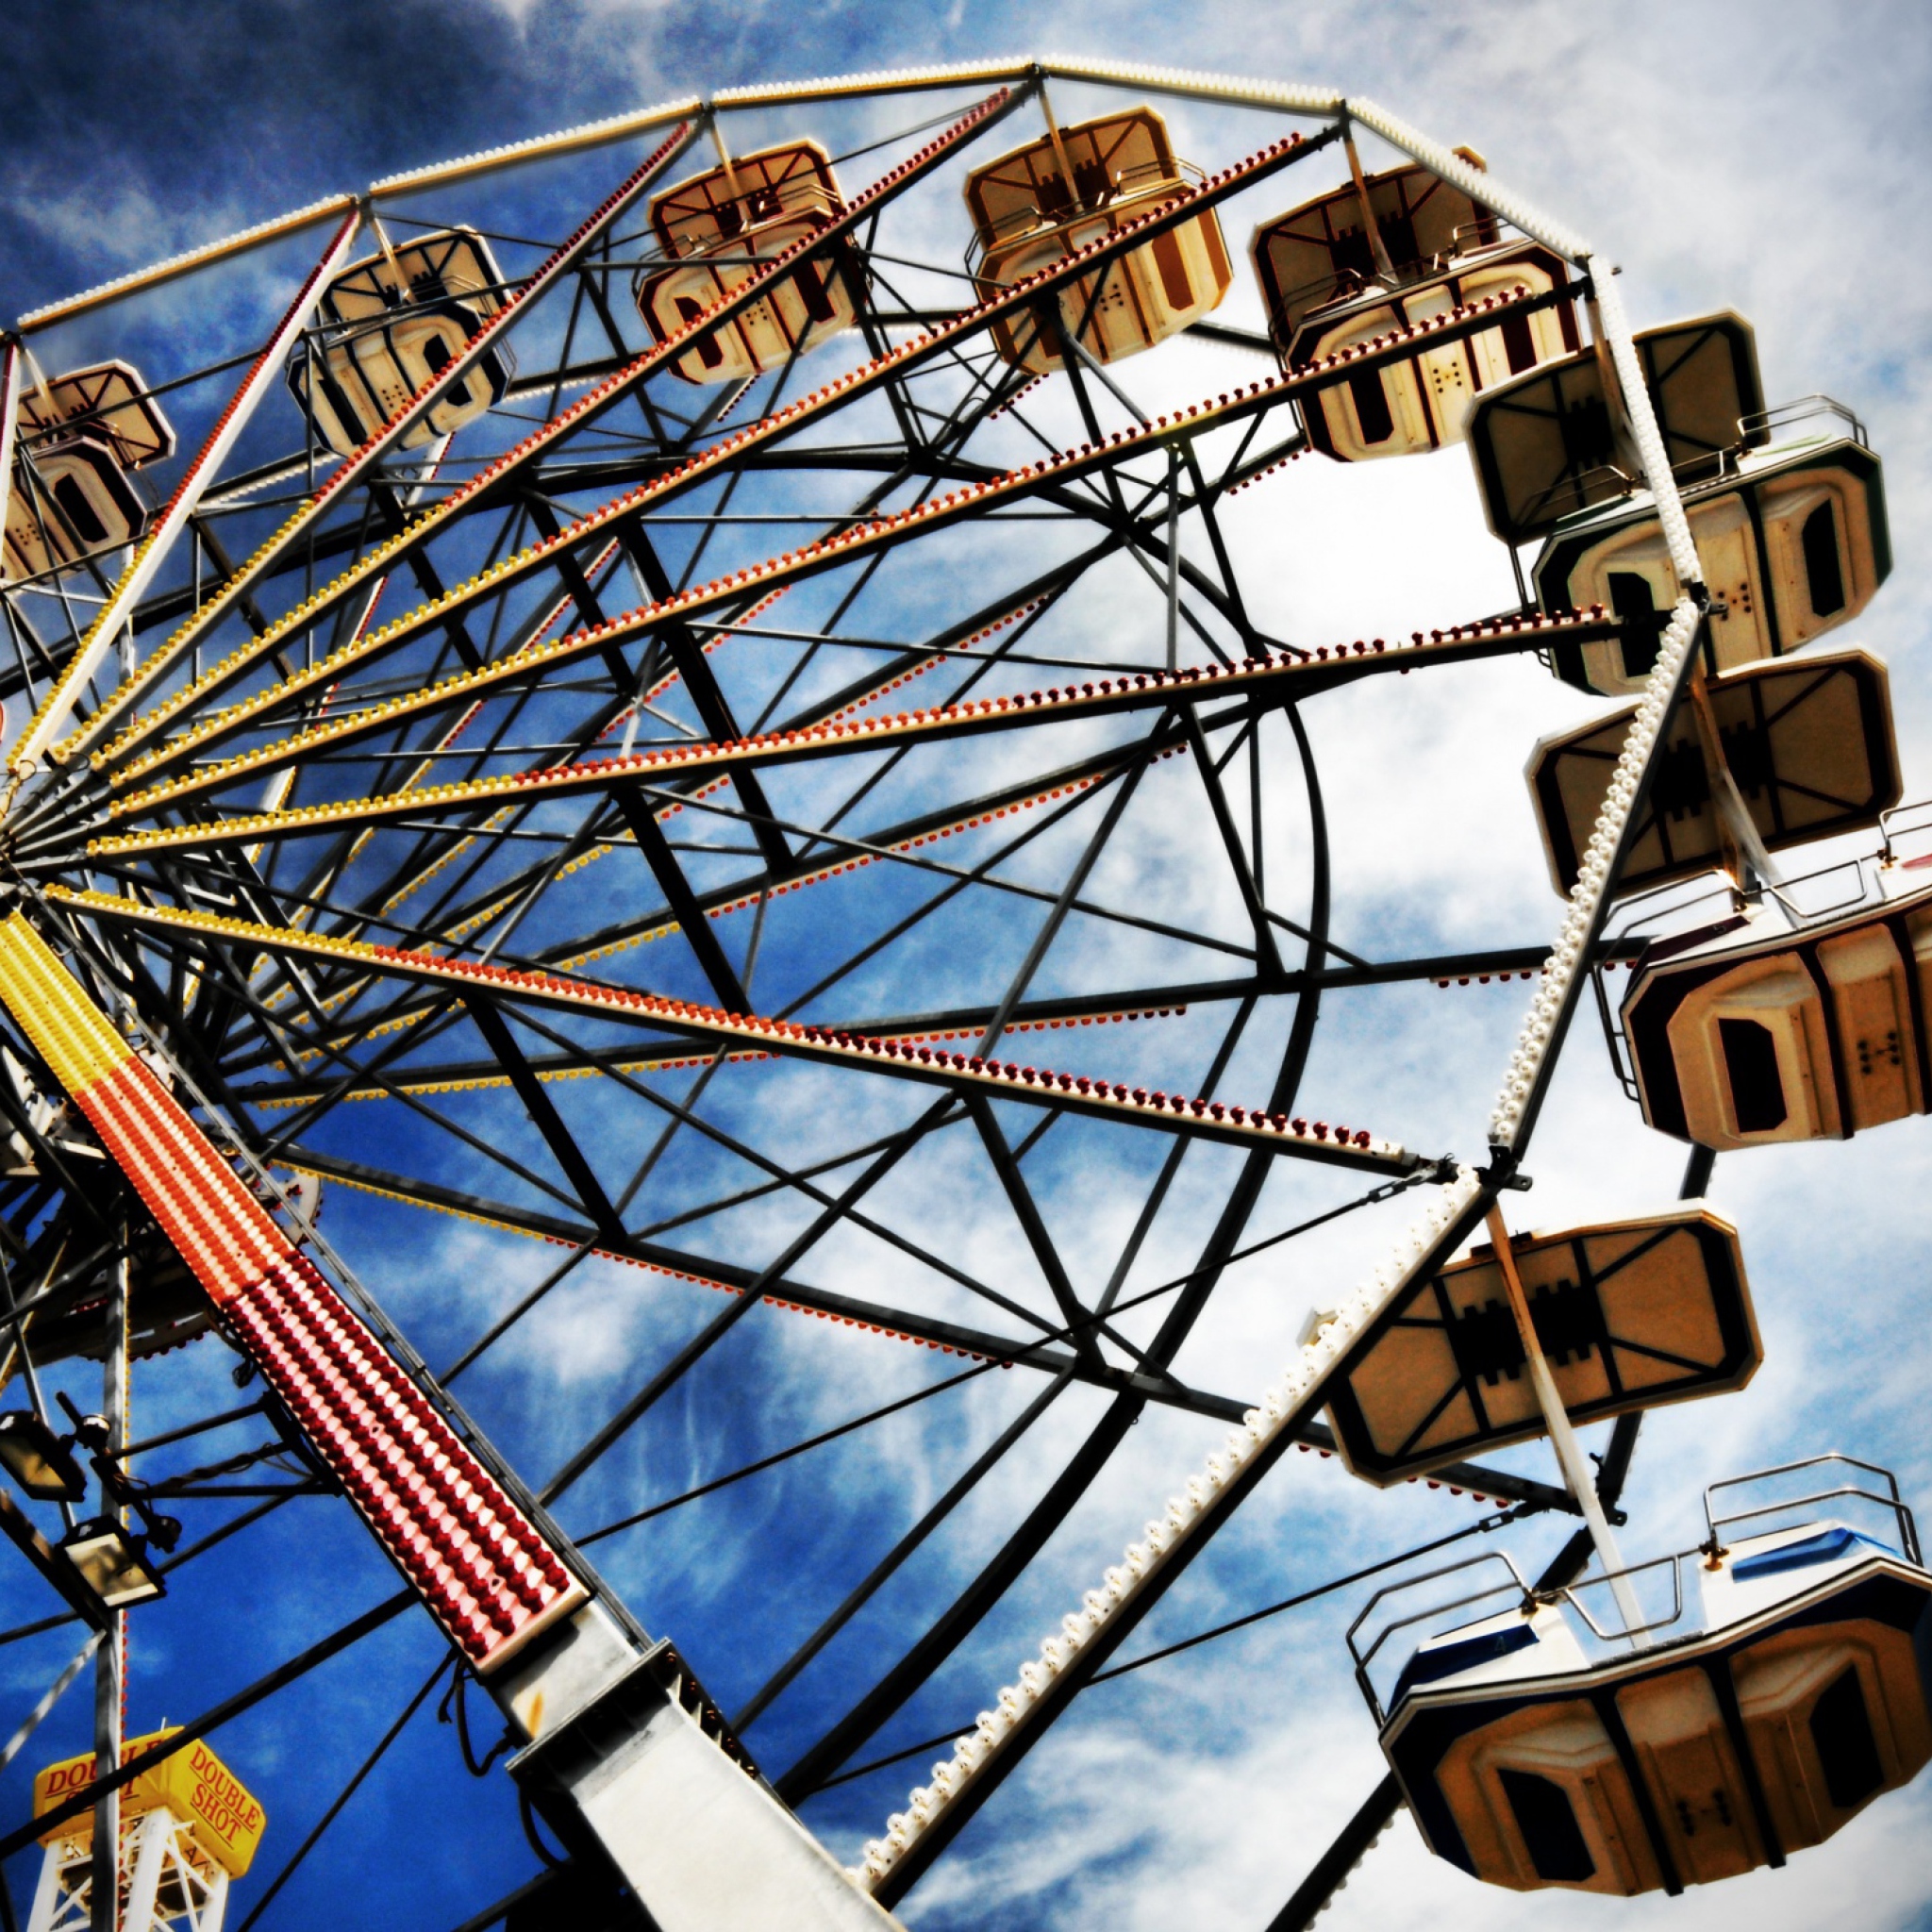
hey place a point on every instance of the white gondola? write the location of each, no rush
(1756, 1029)
(1537, 1747)
(80, 435)
(1036, 207)
(391, 323)
(1793, 541)
(719, 228)
(1328, 287)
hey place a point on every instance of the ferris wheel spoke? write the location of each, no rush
(802, 1183)
(842, 854)
(146, 558)
(1066, 1011)
(569, 1156)
(364, 1076)
(1268, 1132)
(1243, 404)
(1276, 681)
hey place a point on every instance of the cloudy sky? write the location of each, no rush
(1757, 156)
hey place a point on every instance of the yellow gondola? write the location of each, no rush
(1537, 1748)
(1329, 284)
(1752, 1031)
(1044, 202)
(720, 227)
(80, 435)
(393, 322)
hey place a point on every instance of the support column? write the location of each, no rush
(1570, 1456)
(110, 1660)
(149, 1843)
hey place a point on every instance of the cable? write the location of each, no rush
(1063, 1334)
(1155, 1656)
(454, 1695)
(783, 1455)
(530, 1831)
(343, 1797)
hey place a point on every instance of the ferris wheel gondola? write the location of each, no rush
(1074, 187)
(1551, 1743)
(1370, 263)
(719, 228)
(393, 324)
(78, 440)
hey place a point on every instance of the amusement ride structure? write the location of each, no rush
(634, 737)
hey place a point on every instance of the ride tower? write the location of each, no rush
(188, 1828)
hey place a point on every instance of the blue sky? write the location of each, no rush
(1764, 157)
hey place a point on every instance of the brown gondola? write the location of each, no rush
(1555, 443)
(719, 228)
(391, 324)
(1043, 203)
(1787, 506)
(1329, 284)
(1752, 1031)
(1629, 1314)
(80, 435)
(1808, 745)
(1535, 1747)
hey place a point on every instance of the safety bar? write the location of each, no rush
(1145, 178)
(1805, 408)
(1865, 887)
(1364, 1657)
(1891, 1500)
(1673, 1562)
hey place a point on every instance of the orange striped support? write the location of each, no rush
(486, 1572)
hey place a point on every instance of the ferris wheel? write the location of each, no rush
(632, 730)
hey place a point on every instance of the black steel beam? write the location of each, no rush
(706, 694)
(1333, 1867)
(698, 931)
(544, 1117)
